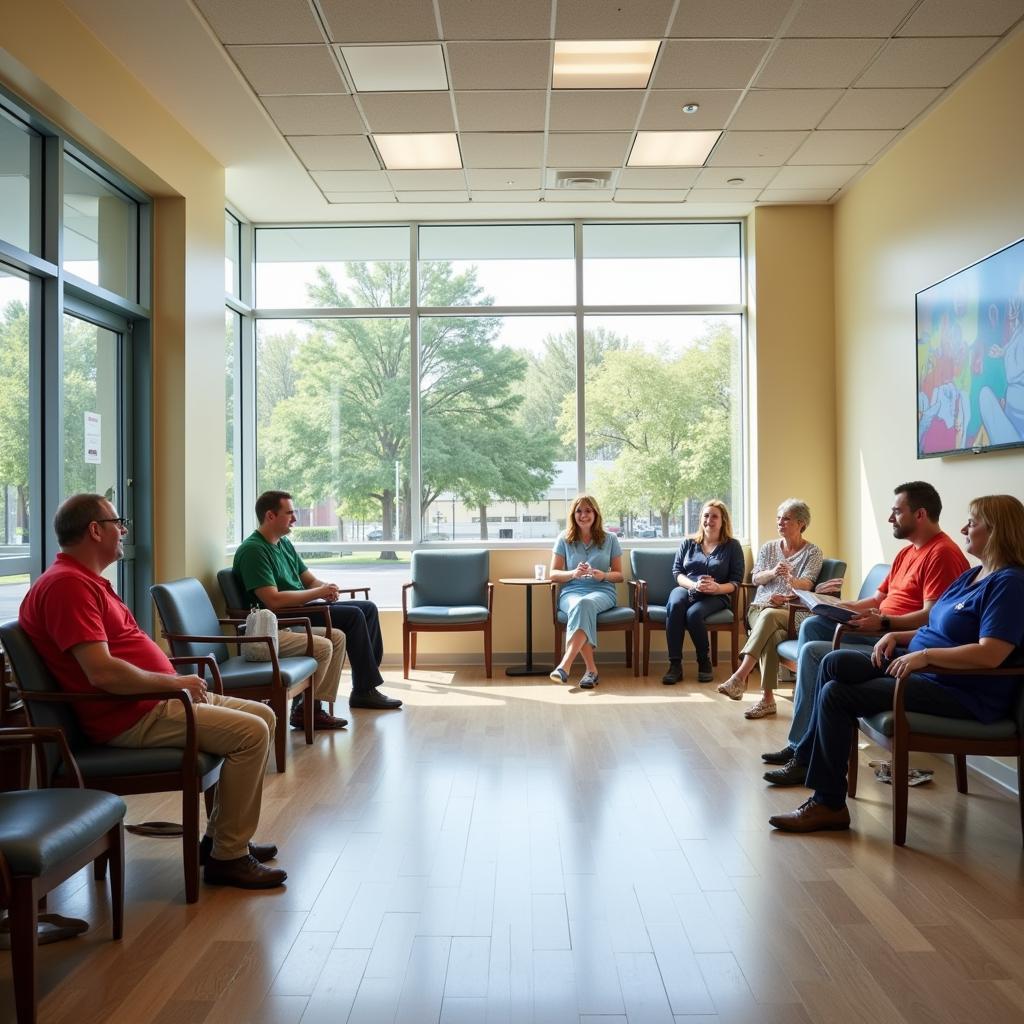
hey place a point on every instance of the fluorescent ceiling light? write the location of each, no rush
(604, 63)
(672, 149)
(429, 150)
(396, 68)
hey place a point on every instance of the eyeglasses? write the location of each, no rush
(122, 522)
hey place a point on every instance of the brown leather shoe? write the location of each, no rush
(243, 873)
(323, 719)
(811, 816)
(261, 851)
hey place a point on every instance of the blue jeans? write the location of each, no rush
(686, 610)
(851, 687)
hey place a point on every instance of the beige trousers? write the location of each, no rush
(767, 630)
(238, 730)
(329, 655)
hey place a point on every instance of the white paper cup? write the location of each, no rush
(540, 572)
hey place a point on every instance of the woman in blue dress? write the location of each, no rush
(709, 566)
(587, 561)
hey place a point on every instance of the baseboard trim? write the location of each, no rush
(1003, 775)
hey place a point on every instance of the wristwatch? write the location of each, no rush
(886, 623)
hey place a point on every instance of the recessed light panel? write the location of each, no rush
(424, 151)
(396, 68)
(672, 149)
(604, 63)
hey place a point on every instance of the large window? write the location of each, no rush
(472, 399)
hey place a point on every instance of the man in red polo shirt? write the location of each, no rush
(91, 643)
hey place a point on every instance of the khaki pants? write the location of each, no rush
(238, 730)
(767, 630)
(329, 655)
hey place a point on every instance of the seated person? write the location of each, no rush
(91, 643)
(275, 577)
(784, 565)
(920, 573)
(708, 568)
(587, 561)
(975, 624)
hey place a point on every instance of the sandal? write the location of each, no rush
(762, 709)
(733, 688)
(559, 675)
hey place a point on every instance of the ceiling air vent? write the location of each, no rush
(579, 180)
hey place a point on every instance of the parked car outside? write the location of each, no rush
(375, 535)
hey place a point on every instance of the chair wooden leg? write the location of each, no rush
(24, 921)
(634, 639)
(189, 843)
(629, 648)
(647, 648)
(1020, 792)
(851, 767)
(714, 648)
(899, 768)
(405, 650)
(115, 837)
(412, 649)
(308, 707)
(735, 649)
(279, 701)
(960, 767)
(99, 867)
(487, 648)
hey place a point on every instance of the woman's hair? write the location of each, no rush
(726, 533)
(1003, 514)
(572, 531)
(798, 510)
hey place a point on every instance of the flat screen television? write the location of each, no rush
(970, 358)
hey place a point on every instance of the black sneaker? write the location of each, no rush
(792, 773)
(674, 674)
(783, 756)
(705, 670)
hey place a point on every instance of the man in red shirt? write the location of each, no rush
(91, 643)
(920, 574)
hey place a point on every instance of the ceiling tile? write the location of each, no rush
(723, 195)
(659, 178)
(314, 115)
(816, 63)
(724, 19)
(830, 177)
(504, 179)
(594, 109)
(587, 149)
(335, 153)
(518, 65)
(644, 195)
(348, 198)
(796, 195)
(369, 21)
(879, 108)
(427, 180)
(778, 109)
(408, 111)
(284, 21)
(502, 149)
(842, 147)
(664, 109)
(396, 68)
(865, 18)
(957, 18)
(471, 19)
(514, 111)
(612, 19)
(483, 196)
(718, 177)
(763, 149)
(433, 197)
(710, 64)
(552, 195)
(924, 62)
(288, 69)
(351, 181)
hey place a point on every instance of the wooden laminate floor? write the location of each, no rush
(514, 851)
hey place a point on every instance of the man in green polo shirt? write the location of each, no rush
(275, 577)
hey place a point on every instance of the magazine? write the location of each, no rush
(825, 605)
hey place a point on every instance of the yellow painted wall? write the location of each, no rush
(52, 61)
(948, 194)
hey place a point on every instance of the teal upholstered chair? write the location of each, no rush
(118, 770)
(46, 835)
(193, 630)
(621, 618)
(449, 591)
(789, 648)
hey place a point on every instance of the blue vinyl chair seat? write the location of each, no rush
(788, 650)
(444, 613)
(107, 762)
(236, 672)
(613, 616)
(41, 828)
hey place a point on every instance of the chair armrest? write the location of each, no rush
(406, 587)
(638, 590)
(554, 603)
(205, 661)
(490, 597)
(36, 736)
(309, 631)
(365, 591)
